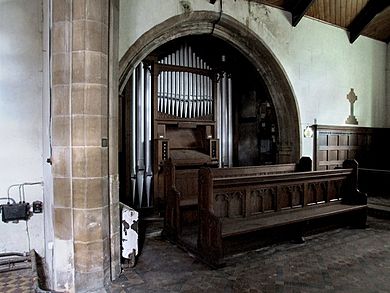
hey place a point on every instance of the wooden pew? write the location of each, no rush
(181, 189)
(236, 210)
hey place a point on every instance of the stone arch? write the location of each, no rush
(244, 40)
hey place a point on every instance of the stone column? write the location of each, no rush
(113, 169)
(80, 139)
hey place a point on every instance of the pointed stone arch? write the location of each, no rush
(245, 41)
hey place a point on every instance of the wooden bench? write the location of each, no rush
(236, 212)
(181, 189)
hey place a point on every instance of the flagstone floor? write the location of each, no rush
(342, 260)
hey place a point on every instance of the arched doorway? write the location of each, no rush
(228, 30)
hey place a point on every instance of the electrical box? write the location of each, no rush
(37, 207)
(14, 212)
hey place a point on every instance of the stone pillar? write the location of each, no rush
(80, 141)
(113, 126)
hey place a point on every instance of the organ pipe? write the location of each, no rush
(141, 127)
(230, 122)
(148, 134)
(225, 121)
(133, 167)
(140, 131)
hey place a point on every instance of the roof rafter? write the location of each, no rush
(372, 8)
(299, 10)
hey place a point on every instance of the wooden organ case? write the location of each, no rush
(184, 91)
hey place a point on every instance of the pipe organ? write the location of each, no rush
(181, 108)
(185, 116)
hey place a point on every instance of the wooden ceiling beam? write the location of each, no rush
(372, 8)
(299, 10)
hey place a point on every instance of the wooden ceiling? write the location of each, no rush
(370, 18)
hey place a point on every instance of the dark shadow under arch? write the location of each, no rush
(244, 40)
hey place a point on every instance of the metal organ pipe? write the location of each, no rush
(219, 119)
(133, 127)
(225, 129)
(190, 88)
(148, 134)
(194, 86)
(173, 86)
(224, 121)
(230, 121)
(177, 110)
(185, 94)
(140, 131)
(185, 82)
(169, 91)
(198, 88)
(141, 128)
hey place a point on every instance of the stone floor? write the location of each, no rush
(19, 281)
(20, 273)
(342, 260)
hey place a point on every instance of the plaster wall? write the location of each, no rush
(21, 117)
(321, 64)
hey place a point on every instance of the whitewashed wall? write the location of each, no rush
(319, 60)
(21, 116)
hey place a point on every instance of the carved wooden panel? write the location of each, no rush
(316, 192)
(229, 204)
(187, 183)
(334, 144)
(221, 206)
(334, 190)
(262, 200)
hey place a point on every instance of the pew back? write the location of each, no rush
(231, 197)
(233, 206)
(181, 188)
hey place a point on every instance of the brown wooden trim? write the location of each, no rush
(299, 10)
(177, 68)
(372, 8)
